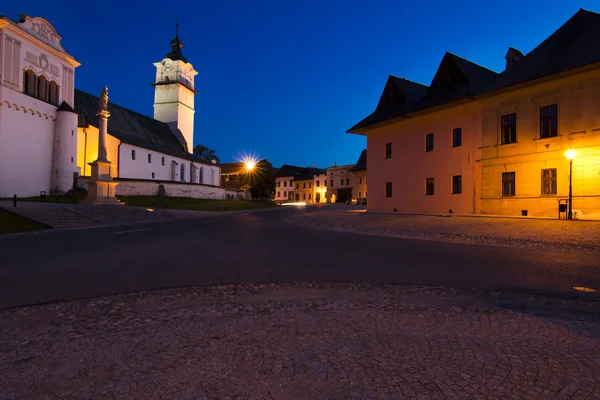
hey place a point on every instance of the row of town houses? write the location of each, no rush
(480, 142)
(311, 185)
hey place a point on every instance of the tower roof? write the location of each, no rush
(176, 46)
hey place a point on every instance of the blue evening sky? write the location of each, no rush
(284, 79)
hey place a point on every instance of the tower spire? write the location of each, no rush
(176, 45)
(177, 27)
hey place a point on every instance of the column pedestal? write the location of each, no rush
(101, 186)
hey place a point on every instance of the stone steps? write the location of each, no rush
(57, 217)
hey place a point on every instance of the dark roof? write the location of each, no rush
(458, 79)
(299, 173)
(65, 107)
(572, 45)
(133, 128)
(361, 164)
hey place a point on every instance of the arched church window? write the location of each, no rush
(29, 81)
(53, 93)
(182, 173)
(42, 92)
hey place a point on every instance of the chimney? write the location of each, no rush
(512, 56)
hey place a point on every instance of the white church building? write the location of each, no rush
(49, 130)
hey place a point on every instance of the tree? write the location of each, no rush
(205, 153)
(262, 181)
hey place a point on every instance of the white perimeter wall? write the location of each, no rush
(149, 188)
(26, 144)
(140, 168)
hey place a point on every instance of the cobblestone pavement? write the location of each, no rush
(302, 341)
(513, 232)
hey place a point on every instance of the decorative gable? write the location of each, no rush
(41, 29)
(391, 95)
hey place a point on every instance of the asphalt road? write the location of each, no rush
(261, 247)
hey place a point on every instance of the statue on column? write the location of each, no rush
(103, 99)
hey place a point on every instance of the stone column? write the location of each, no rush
(101, 186)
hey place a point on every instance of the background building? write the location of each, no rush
(476, 141)
(359, 190)
(339, 184)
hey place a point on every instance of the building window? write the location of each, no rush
(508, 128)
(457, 184)
(549, 121)
(53, 93)
(508, 184)
(304, 187)
(360, 180)
(360, 195)
(133, 154)
(310, 185)
(324, 182)
(429, 142)
(303, 196)
(162, 160)
(29, 81)
(457, 137)
(347, 181)
(284, 183)
(429, 186)
(150, 158)
(549, 181)
(310, 196)
(42, 88)
(388, 189)
(342, 182)
(297, 186)
(278, 185)
(182, 173)
(331, 182)
(153, 175)
(388, 150)
(278, 193)
(318, 183)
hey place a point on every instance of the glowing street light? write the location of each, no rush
(570, 154)
(250, 164)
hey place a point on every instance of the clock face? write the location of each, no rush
(168, 67)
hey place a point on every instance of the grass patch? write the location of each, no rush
(70, 199)
(14, 223)
(186, 203)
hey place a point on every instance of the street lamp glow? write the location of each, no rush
(570, 154)
(250, 164)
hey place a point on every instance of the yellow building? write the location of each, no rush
(303, 189)
(320, 187)
(359, 190)
(544, 104)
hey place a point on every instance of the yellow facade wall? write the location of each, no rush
(578, 100)
(87, 150)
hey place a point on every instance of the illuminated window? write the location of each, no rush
(457, 184)
(549, 121)
(508, 184)
(549, 181)
(388, 189)
(429, 186)
(508, 128)
(429, 142)
(388, 150)
(457, 137)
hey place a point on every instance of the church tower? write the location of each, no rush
(174, 93)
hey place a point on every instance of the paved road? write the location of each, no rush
(261, 247)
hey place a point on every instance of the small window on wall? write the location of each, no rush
(153, 175)
(388, 189)
(331, 183)
(388, 150)
(278, 194)
(429, 186)
(29, 81)
(508, 128)
(347, 181)
(429, 142)
(549, 181)
(318, 183)
(133, 154)
(549, 121)
(297, 186)
(310, 196)
(457, 137)
(150, 158)
(508, 184)
(457, 184)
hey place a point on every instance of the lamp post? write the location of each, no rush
(570, 155)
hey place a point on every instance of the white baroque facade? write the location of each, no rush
(38, 128)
